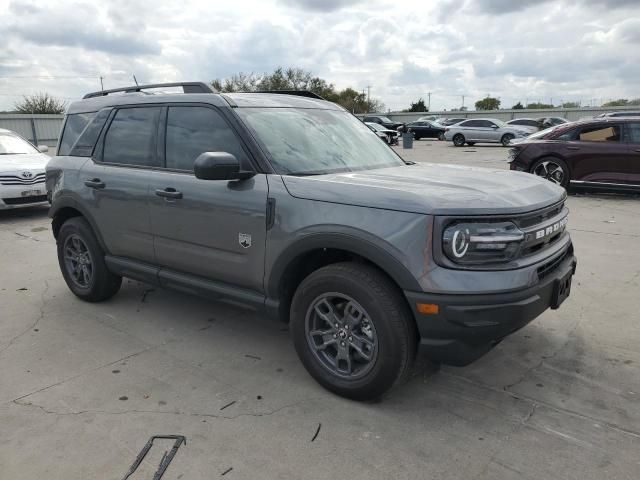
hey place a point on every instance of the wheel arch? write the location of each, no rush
(315, 251)
(66, 208)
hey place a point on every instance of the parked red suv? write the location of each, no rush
(603, 153)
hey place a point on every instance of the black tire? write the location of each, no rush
(385, 312)
(76, 235)
(506, 139)
(471, 144)
(458, 140)
(553, 169)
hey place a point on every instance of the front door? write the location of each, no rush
(210, 228)
(633, 143)
(598, 154)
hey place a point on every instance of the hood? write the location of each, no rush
(432, 189)
(28, 161)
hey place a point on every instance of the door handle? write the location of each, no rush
(573, 148)
(95, 183)
(169, 192)
(637, 150)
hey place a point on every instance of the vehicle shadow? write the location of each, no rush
(27, 213)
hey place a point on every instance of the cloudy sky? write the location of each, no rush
(518, 50)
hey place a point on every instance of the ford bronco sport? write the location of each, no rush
(288, 202)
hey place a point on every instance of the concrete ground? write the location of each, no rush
(83, 386)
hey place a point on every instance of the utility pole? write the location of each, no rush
(463, 101)
(101, 84)
(368, 94)
(429, 104)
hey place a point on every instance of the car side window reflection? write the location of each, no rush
(601, 133)
(634, 132)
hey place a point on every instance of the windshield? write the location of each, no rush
(376, 126)
(311, 141)
(385, 119)
(542, 133)
(500, 123)
(12, 145)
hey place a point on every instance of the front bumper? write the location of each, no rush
(468, 326)
(18, 196)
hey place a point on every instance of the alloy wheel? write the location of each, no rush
(341, 335)
(551, 171)
(78, 261)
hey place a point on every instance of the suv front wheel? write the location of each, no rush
(353, 330)
(82, 263)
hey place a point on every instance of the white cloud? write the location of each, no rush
(515, 50)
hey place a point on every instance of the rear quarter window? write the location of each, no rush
(73, 127)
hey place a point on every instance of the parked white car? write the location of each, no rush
(483, 130)
(22, 173)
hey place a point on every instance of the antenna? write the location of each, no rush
(135, 80)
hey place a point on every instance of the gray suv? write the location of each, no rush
(289, 203)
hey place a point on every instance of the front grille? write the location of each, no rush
(18, 180)
(540, 216)
(25, 200)
(551, 265)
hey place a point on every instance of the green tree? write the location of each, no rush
(40, 103)
(621, 102)
(418, 106)
(517, 106)
(570, 105)
(488, 103)
(297, 79)
(539, 105)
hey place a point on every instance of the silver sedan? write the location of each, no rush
(483, 130)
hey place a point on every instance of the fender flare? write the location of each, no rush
(370, 248)
(69, 202)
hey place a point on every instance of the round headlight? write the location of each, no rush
(478, 243)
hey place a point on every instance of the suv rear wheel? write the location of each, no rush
(82, 263)
(353, 330)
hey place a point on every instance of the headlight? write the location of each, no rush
(471, 243)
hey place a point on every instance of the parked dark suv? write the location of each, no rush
(289, 204)
(603, 153)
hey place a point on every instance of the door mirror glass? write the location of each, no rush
(219, 166)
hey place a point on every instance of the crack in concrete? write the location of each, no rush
(29, 237)
(34, 324)
(538, 403)
(156, 412)
(126, 357)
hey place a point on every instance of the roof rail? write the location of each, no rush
(299, 93)
(187, 87)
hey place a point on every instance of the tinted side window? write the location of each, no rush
(634, 132)
(73, 127)
(131, 137)
(600, 133)
(194, 130)
(470, 123)
(485, 123)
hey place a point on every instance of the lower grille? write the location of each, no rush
(25, 200)
(550, 266)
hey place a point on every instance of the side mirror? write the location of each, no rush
(219, 166)
(43, 148)
(494, 126)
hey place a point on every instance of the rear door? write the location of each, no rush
(216, 229)
(115, 181)
(597, 154)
